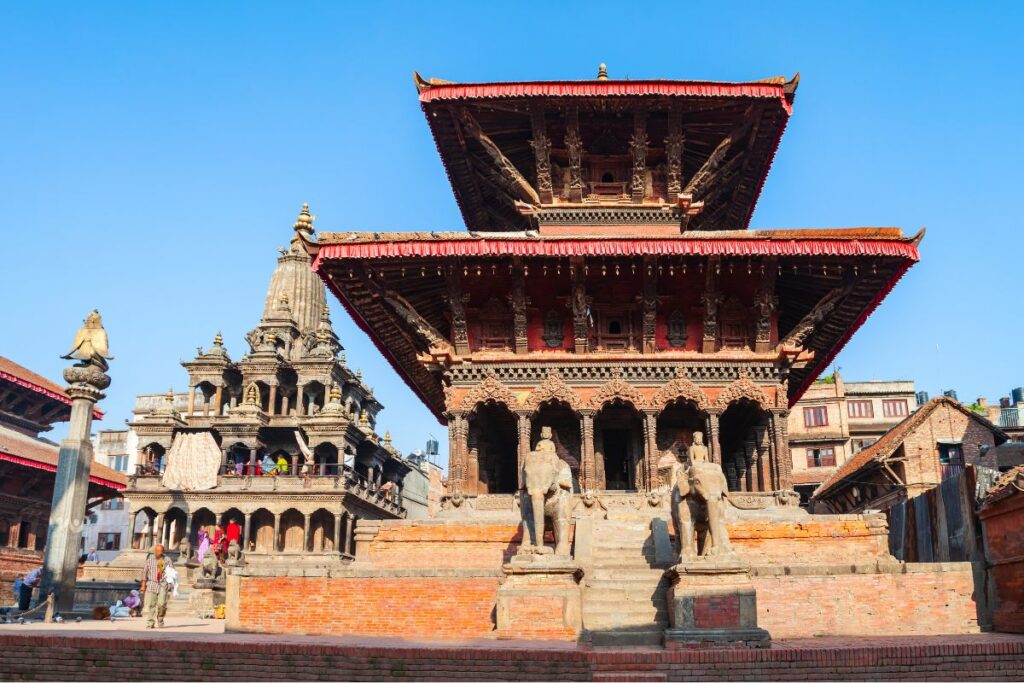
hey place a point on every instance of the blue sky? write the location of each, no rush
(155, 155)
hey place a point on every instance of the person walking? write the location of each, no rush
(154, 588)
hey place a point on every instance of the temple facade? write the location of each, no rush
(607, 285)
(281, 441)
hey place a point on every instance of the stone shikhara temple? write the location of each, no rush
(291, 397)
(605, 312)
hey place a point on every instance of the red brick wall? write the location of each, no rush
(443, 545)
(420, 607)
(166, 656)
(945, 422)
(15, 562)
(1003, 526)
(915, 603)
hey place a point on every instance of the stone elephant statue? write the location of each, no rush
(698, 507)
(547, 495)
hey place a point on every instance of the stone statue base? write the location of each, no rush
(202, 601)
(713, 603)
(540, 598)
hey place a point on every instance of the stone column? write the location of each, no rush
(524, 444)
(272, 399)
(783, 459)
(588, 466)
(651, 447)
(252, 462)
(337, 533)
(246, 526)
(284, 405)
(158, 529)
(348, 535)
(713, 446)
(133, 517)
(188, 527)
(295, 465)
(277, 531)
(224, 460)
(191, 400)
(300, 406)
(305, 532)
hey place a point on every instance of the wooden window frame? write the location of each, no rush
(817, 457)
(858, 412)
(811, 413)
(887, 407)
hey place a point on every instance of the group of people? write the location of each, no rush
(219, 542)
(267, 467)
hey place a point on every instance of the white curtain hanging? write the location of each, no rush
(192, 463)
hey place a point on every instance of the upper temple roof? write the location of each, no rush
(693, 154)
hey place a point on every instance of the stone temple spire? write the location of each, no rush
(294, 278)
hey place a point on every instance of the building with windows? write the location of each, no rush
(836, 419)
(30, 405)
(1008, 415)
(106, 527)
(934, 443)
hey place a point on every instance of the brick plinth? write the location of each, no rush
(1003, 524)
(169, 656)
(540, 599)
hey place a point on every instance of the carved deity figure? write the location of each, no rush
(234, 553)
(698, 506)
(90, 344)
(547, 495)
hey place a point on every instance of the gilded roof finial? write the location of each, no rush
(359, 374)
(304, 223)
(363, 420)
(602, 72)
(387, 438)
(335, 393)
(169, 396)
(218, 340)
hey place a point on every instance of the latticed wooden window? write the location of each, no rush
(821, 457)
(860, 409)
(895, 407)
(816, 416)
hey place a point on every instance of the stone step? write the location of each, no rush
(618, 574)
(629, 592)
(600, 620)
(629, 638)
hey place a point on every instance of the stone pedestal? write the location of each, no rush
(540, 598)
(712, 603)
(203, 601)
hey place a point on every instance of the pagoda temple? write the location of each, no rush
(608, 285)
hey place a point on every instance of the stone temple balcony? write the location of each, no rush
(324, 479)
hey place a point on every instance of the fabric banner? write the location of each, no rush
(192, 463)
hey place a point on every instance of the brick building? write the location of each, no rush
(1002, 515)
(106, 527)
(836, 419)
(934, 443)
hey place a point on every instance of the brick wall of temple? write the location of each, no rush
(1003, 526)
(435, 608)
(17, 561)
(929, 599)
(165, 656)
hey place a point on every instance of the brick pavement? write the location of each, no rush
(190, 651)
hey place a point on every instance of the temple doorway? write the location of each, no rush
(618, 436)
(493, 450)
(743, 438)
(674, 435)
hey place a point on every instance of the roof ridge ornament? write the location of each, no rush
(602, 72)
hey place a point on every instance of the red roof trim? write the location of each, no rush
(884, 292)
(474, 91)
(63, 398)
(615, 247)
(28, 462)
(385, 351)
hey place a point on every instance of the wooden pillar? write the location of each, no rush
(272, 399)
(300, 407)
(349, 538)
(588, 466)
(457, 453)
(524, 444)
(711, 300)
(191, 400)
(218, 396)
(761, 437)
(305, 532)
(457, 307)
(649, 304)
(337, 533)
(749, 451)
(277, 532)
(650, 447)
(713, 446)
(674, 155)
(783, 459)
(520, 343)
(580, 305)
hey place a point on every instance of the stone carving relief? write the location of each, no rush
(554, 331)
(743, 388)
(677, 334)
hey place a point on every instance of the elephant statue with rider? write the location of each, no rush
(546, 497)
(698, 506)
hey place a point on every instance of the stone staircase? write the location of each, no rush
(624, 595)
(177, 606)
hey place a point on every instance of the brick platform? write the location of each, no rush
(51, 655)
